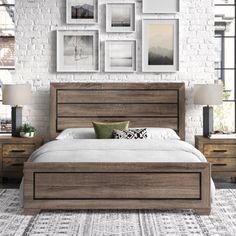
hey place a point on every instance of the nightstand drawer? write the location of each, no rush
(219, 150)
(222, 164)
(10, 164)
(17, 150)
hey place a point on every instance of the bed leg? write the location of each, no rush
(203, 211)
(33, 211)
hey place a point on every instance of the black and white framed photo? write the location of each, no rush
(156, 6)
(120, 17)
(78, 51)
(81, 11)
(120, 56)
(160, 45)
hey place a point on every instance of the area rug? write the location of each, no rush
(222, 220)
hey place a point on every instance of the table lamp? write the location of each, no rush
(208, 94)
(16, 95)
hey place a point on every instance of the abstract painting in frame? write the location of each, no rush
(120, 56)
(82, 11)
(157, 6)
(120, 17)
(78, 51)
(160, 45)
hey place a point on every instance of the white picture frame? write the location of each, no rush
(121, 17)
(120, 56)
(160, 51)
(82, 11)
(157, 6)
(78, 51)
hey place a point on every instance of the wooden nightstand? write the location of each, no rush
(14, 152)
(221, 153)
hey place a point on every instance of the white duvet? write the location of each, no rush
(118, 150)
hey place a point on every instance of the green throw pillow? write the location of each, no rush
(103, 130)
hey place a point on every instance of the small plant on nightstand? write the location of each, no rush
(27, 131)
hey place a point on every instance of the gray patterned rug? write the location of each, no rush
(222, 221)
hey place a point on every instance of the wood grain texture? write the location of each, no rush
(221, 153)
(117, 110)
(112, 96)
(13, 152)
(220, 150)
(69, 122)
(144, 104)
(119, 177)
(222, 164)
(13, 164)
(117, 185)
(17, 150)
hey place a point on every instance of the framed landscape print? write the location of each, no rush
(78, 51)
(160, 45)
(156, 6)
(120, 17)
(120, 56)
(81, 11)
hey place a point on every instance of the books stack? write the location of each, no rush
(222, 136)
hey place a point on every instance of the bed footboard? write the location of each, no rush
(116, 186)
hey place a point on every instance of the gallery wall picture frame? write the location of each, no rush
(121, 17)
(82, 11)
(120, 56)
(78, 51)
(156, 6)
(160, 51)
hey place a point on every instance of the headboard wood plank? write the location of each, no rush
(64, 123)
(117, 110)
(143, 104)
(112, 96)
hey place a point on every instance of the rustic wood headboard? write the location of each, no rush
(143, 104)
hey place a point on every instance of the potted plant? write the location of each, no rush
(27, 131)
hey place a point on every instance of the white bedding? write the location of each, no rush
(119, 150)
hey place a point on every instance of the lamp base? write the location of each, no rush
(207, 120)
(16, 116)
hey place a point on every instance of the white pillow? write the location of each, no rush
(77, 133)
(161, 133)
(88, 133)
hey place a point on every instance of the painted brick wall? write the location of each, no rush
(36, 25)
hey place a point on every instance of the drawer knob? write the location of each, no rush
(17, 151)
(219, 150)
(219, 164)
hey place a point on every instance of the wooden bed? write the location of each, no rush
(117, 185)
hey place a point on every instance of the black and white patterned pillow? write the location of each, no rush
(130, 134)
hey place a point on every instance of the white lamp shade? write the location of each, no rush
(16, 94)
(208, 94)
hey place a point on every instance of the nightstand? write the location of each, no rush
(221, 153)
(14, 152)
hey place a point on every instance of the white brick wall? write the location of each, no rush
(37, 20)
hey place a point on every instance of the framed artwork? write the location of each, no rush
(78, 51)
(160, 45)
(155, 6)
(81, 11)
(120, 56)
(120, 17)
(7, 55)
